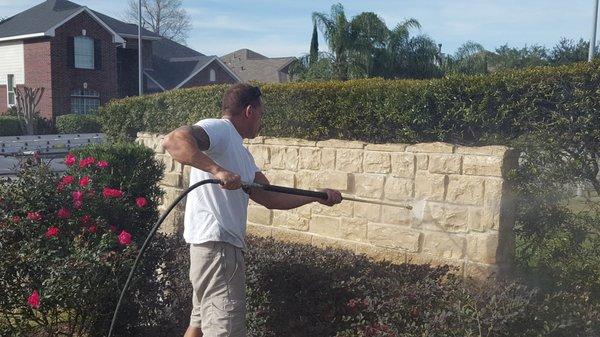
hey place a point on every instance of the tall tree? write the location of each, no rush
(569, 51)
(470, 58)
(166, 18)
(314, 46)
(336, 30)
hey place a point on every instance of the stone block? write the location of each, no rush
(185, 176)
(482, 247)
(288, 141)
(449, 218)
(444, 163)
(177, 167)
(391, 236)
(304, 210)
(291, 158)
(259, 215)
(403, 165)
(396, 215)
(494, 150)
(277, 157)
(444, 245)
(492, 203)
(430, 186)
(398, 188)
(347, 160)
(343, 144)
(280, 177)
(436, 147)
(325, 225)
(353, 229)
(287, 235)
(261, 155)
(255, 140)
(376, 162)
(171, 179)
(289, 220)
(456, 267)
(465, 190)
(309, 158)
(328, 159)
(386, 147)
(327, 179)
(422, 161)
(369, 185)
(367, 211)
(482, 165)
(345, 208)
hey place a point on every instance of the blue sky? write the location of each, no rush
(283, 27)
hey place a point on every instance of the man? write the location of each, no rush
(215, 216)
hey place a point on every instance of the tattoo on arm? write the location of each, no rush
(200, 136)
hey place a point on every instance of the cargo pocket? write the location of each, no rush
(227, 318)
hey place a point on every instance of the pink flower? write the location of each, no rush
(34, 300)
(141, 202)
(86, 219)
(51, 232)
(112, 192)
(70, 160)
(77, 195)
(63, 213)
(66, 180)
(102, 164)
(16, 218)
(77, 204)
(124, 238)
(34, 216)
(92, 229)
(87, 161)
(84, 181)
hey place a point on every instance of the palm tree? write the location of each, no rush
(336, 30)
(470, 58)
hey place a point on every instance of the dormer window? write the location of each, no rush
(84, 52)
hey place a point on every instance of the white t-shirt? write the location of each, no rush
(213, 213)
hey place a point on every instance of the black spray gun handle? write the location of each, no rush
(287, 190)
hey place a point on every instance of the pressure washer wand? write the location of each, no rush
(316, 194)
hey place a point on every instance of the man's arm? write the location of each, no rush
(185, 145)
(274, 200)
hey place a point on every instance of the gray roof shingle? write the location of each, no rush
(40, 18)
(249, 65)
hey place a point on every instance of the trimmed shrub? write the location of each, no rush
(299, 290)
(10, 126)
(68, 242)
(73, 123)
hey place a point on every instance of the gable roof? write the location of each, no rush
(252, 66)
(174, 64)
(43, 19)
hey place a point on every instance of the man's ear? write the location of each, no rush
(247, 111)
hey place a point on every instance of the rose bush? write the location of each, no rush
(69, 240)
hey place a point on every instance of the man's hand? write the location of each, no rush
(229, 180)
(333, 197)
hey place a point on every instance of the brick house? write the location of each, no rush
(83, 59)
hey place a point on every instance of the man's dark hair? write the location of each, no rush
(239, 96)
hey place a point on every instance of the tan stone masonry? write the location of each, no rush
(463, 210)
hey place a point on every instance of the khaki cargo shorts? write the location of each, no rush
(218, 276)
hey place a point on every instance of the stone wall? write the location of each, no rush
(462, 210)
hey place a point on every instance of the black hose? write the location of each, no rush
(148, 238)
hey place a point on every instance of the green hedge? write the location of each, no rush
(73, 123)
(10, 126)
(464, 109)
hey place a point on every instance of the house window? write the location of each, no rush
(213, 76)
(10, 89)
(84, 52)
(84, 101)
